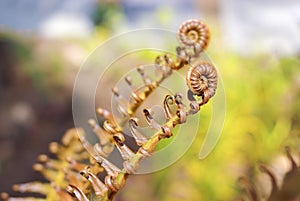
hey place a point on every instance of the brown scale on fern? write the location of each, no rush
(78, 163)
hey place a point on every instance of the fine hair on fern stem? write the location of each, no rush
(79, 162)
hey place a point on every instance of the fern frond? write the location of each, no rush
(76, 155)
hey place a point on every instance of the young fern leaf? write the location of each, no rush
(79, 156)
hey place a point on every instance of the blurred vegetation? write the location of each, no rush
(35, 104)
(262, 115)
(106, 12)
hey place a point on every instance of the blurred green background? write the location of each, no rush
(42, 46)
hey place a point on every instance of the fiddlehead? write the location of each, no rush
(202, 80)
(194, 34)
(90, 160)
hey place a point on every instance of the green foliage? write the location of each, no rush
(105, 13)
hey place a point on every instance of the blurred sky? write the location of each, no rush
(246, 26)
(261, 25)
(56, 17)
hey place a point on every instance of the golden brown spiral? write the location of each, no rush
(194, 33)
(202, 80)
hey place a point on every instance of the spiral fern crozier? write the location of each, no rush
(202, 80)
(74, 172)
(194, 33)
